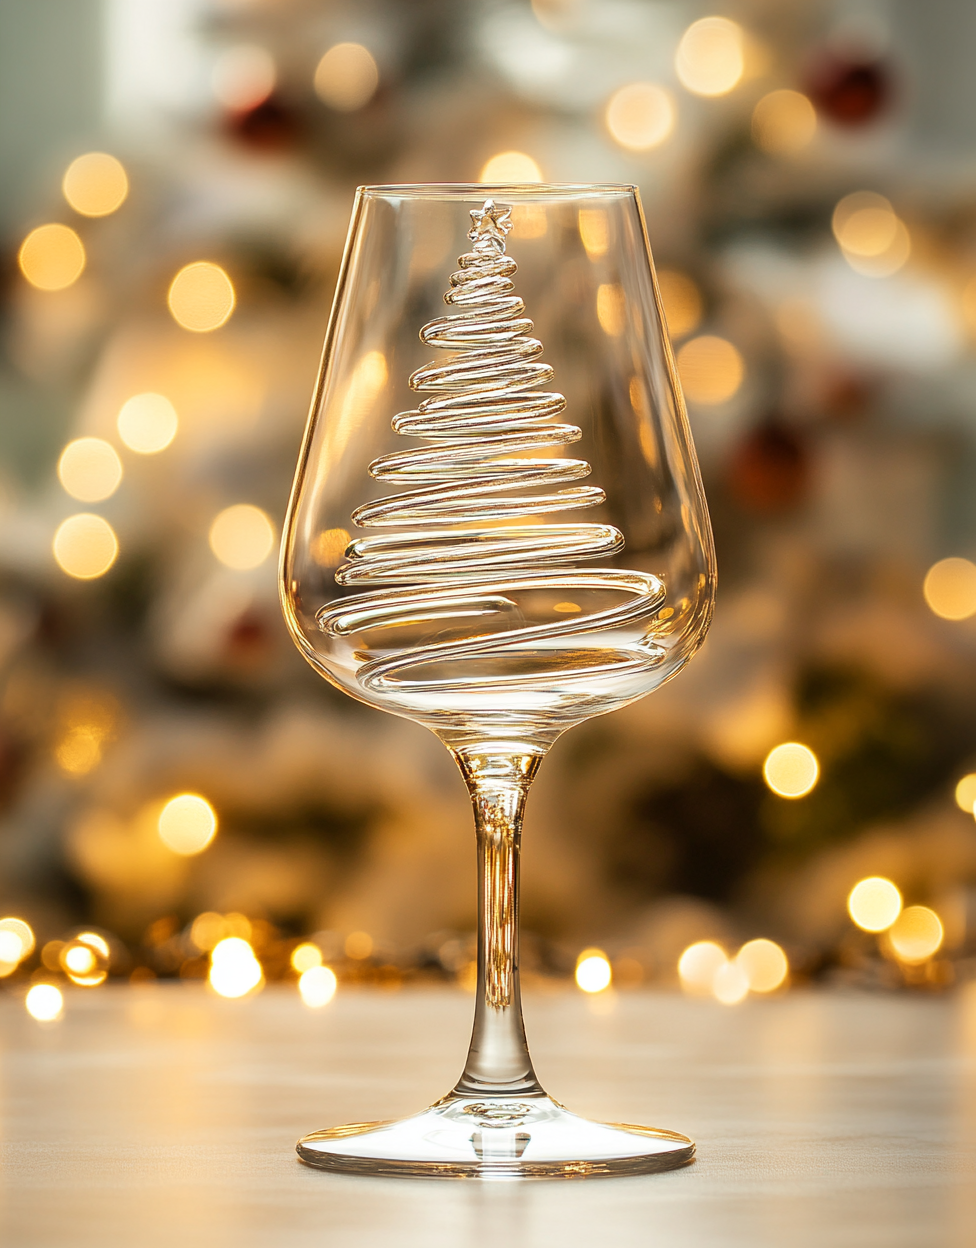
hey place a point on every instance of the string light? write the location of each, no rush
(95, 184)
(916, 935)
(187, 824)
(698, 965)
(966, 794)
(710, 59)
(85, 546)
(640, 116)
(317, 986)
(234, 970)
(346, 77)
(52, 257)
(593, 971)
(874, 903)
(764, 965)
(682, 302)
(201, 297)
(950, 589)
(791, 769)
(711, 369)
(305, 956)
(90, 469)
(514, 167)
(783, 122)
(147, 423)
(44, 1002)
(242, 537)
(358, 945)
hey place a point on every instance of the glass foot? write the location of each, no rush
(495, 1138)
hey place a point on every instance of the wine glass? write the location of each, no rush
(497, 542)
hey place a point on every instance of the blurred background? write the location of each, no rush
(177, 181)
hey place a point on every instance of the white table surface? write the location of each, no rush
(163, 1116)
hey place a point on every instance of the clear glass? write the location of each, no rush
(498, 530)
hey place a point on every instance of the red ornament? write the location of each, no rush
(849, 92)
(769, 471)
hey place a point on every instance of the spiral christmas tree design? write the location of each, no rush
(485, 411)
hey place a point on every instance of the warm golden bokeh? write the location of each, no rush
(147, 423)
(514, 167)
(611, 309)
(329, 547)
(874, 903)
(764, 965)
(682, 302)
(346, 77)
(711, 369)
(95, 184)
(85, 546)
(966, 793)
(783, 122)
(710, 59)
(594, 232)
(698, 966)
(730, 984)
(305, 956)
(950, 588)
(44, 1002)
(791, 769)
(187, 824)
(90, 469)
(52, 257)
(317, 986)
(201, 297)
(873, 239)
(916, 935)
(593, 971)
(234, 970)
(640, 116)
(242, 537)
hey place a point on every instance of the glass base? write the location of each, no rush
(495, 1138)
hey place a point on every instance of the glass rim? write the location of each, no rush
(466, 190)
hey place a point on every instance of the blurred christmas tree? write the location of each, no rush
(815, 254)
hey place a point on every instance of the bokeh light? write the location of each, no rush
(710, 59)
(90, 469)
(611, 309)
(710, 368)
(730, 984)
(14, 929)
(317, 986)
(515, 167)
(52, 257)
(44, 1002)
(85, 546)
(201, 297)
(305, 956)
(950, 588)
(916, 934)
(682, 302)
(329, 547)
(242, 537)
(764, 965)
(358, 945)
(187, 824)
(966, 794)
(640, 116)
(783, 122)
(346, 77)
(698, 965)
(85, 959)
(147, 423)
(243, 76)
(210, 928)
(594, 232)
(95, 184)
(593, 972)
(791, 769)
(873, 239)
(874, 903)
(234, 970)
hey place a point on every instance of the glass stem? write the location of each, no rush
(498, 1058)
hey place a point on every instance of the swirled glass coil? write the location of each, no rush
(457, 551)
